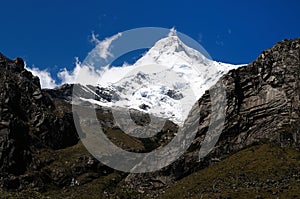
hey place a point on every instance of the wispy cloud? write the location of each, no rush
(219, 40)
(200, 37)
(103, 47)
(85, 74)
(45, 77)
(229, 31)
(82, 74)
(219, 43)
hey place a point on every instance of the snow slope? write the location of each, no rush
(165, 82)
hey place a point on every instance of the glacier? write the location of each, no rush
(166, 81)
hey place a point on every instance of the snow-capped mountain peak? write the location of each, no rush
(166, 81)
(169, 51)
(172, 32)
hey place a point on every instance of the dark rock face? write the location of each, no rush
(65, 92)
(263, 99)
(174, 94)
(14, 149)
(28, 118)
(262, 106)
(144, 107)
(106, 94)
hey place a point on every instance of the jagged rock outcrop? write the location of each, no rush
(65, 92)
(29, 120)
(263, 99)
(262, 106)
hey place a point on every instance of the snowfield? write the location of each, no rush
(165, 82)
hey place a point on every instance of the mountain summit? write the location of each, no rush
(170, 51)
(257, 152)
(165, 82)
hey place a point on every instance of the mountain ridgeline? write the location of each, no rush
(262, 107)
(41, 154)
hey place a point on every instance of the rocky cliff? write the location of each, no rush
(262, 106)
(29, 120)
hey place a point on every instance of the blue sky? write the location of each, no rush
(49, 34)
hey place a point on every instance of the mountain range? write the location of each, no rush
(256, 155)
(165, 82)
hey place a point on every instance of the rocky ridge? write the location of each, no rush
(262, 107)
(29, 121)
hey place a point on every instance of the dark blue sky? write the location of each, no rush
(49, 34)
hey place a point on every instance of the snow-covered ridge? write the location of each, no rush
(165, 82)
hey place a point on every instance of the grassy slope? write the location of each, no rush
(61, 160)
(263, 171)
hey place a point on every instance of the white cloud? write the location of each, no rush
(85, 74)
(81, 74)
(94, 38)
(229, 31)
(45, 77)
(103, 47)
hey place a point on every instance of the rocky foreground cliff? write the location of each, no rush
(262, 107)
(41, 155)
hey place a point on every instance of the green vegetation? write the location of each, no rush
(263, 171)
